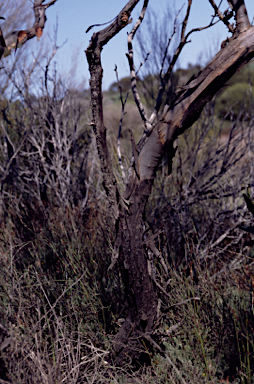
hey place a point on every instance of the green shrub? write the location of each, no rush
(235, 102)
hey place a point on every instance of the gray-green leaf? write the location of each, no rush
(247, 228)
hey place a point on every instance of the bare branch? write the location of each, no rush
(224, 17)
(101, 38)
(120, 125)
(93, 54)
(16, 39)
(165, 80)
(186, 108)
(241, 16)
(170, 68)
(185, 21)
(183, 41)
(143, 62)
(169, 41)
(211, 24)
(132, 69)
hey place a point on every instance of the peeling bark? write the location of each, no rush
(139, 290)
(128, 210)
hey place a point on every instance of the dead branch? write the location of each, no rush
(166, 77)
(178, 116)
(93, 54)
(132, 69)
(176, 26)
(187, 106)
(224, 17)
(241, 16)
(16, 39)
(123, 103)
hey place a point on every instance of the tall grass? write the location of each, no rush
(60, 307)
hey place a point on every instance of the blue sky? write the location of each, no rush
(75, 16)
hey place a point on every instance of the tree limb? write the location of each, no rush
(16, 39)
(241, 16)
(183, 42)
(187, 106)
(93, 54)
(132, 69)
(165, 79)
(120, 125)
(224, 17)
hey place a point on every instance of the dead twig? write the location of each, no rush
(129, 55)
(223, 17)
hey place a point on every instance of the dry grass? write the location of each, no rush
(52, 330)
(59, 305)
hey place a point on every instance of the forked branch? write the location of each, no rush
(224, 17)
(165, 79)
(185, 109)
(93, 54)
(132, 69)
(16, 39)
(241, 16)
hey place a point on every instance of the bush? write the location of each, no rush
(59, 304)
(235, 102)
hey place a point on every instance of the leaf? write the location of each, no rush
(2, 41)
(251, 253)
(247, 228)
(248, 243)
(249, 203)
(21, 36)
(7, 52)
(38, 32)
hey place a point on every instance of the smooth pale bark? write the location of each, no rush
(128, 211)
(191, 100)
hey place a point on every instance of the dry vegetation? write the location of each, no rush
(60, 306)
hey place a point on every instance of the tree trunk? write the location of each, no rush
(128, 210)
(140, 293)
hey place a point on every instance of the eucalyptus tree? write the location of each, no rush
(161, 129)
(14, 38)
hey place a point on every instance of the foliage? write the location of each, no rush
(56, 325)
(235, 101)
(60, 305)
(124, 83)
(245, 75)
